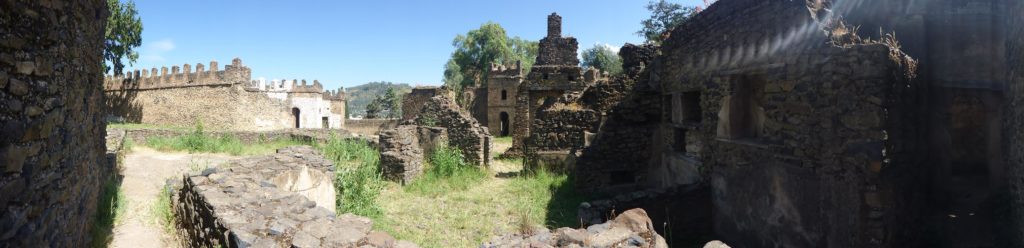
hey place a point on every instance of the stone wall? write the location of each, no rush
(631, 228)
(788, 122)
(555, 74)
(370, 127)
(403, 150)
(464, 132)
(413, 102)
(619, 155)
(555, 49)
(246, 137)
(284, 199)
(1014, 119)
(52, 142)
(502, 84)
(218, 99)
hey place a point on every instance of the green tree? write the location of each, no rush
(664, 17)
(602, 58)
(388, 105)
(476, 50)
(123, 35)
(373, 110)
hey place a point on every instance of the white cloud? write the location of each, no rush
(154, 52)
(609, 46)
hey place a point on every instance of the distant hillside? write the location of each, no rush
(359, 96)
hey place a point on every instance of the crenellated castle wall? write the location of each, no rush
(225, 99)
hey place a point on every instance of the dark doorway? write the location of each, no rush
(504, 124)
(295, 113)
(326, 122)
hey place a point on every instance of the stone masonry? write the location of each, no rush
(280, 200)
(556, 72)
(631, 228)
(464, 132)
(52, 142)
(230, 99)
(403, 150)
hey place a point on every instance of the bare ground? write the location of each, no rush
(145, 172)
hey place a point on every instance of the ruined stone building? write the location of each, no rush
(555, 73)
(51, 113)
(804, 130)
(493, 104)
(223, 99)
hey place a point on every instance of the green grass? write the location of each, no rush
(131, 126)
(199, 141)
(109, 212)
(162, 210)
(549, 197)
(128, 145)
(506, 139)
(357, 180)
(445, 172)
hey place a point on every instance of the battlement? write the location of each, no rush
(316, 87)
(334, 95)
(511, 70)
(182, 76)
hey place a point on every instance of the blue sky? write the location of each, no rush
(347, 43)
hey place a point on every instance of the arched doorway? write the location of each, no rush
(504, 124)
(295, 113)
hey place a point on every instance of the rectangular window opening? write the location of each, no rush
(692, 111)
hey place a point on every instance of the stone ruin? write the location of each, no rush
(464, 132)
(52, 151)
(282, 200)
(631, 228)
(404, 149)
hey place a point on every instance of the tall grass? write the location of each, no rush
(197, 140)
(357, 180)
(162, 210)
(446, 171)
(109, 212)
(547, 198)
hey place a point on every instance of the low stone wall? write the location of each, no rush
(632, 228)
(402, 150)
(280, 200)
(247, 137)
(370, 127)
(464, 132)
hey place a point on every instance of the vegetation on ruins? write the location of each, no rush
(664, 17)
(357, 180)
(112, 205)
(123, 35)
(198, 140)
(359, 97)
(476, 50)
(603, 58)
(446, 171)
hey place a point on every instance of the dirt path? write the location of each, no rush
(145, 172)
